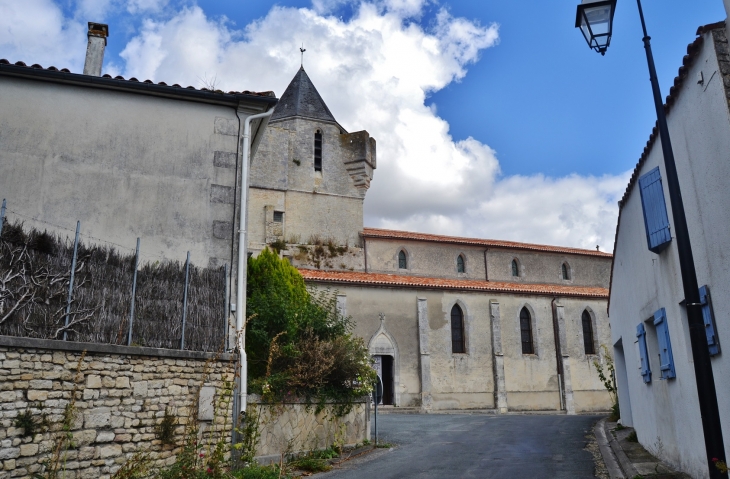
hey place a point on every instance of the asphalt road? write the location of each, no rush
(460, 446)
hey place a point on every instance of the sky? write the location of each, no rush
(493, 118)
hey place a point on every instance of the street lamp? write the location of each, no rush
(595, 19)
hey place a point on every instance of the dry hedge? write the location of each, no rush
(35, 269)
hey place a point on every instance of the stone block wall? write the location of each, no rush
(296, 427)
(121, 394)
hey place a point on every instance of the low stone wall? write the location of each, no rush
(121, 394)
(295, 427)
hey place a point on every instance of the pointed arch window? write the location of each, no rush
(402, 260)
(460, 265)
(515, 268)
(318, 151)
(526, 331)
(565, 271)
(457, 330)
(588, 342)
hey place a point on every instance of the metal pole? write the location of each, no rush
(134, 292)
(707, 395)
(2, 217)
(226, 309)
(71, 280)
(185, 301)
(376, 414)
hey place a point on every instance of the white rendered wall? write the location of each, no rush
(666, 413)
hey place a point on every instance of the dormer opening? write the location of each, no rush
(318, 150)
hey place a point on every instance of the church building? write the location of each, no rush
(453, 323)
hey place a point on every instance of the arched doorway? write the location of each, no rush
(384, 351)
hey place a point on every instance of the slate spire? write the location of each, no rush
(302, 99)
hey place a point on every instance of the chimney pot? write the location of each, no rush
(97, 34)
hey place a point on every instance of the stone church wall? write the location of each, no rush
(425, 258)
(328, 204)
(429, 375)
(545, 267)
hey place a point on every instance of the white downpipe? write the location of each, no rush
(243, 256)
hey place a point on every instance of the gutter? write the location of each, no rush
(242, 256)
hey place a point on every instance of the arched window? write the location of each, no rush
(460, 267)
(566, 271)
(402, 260)
(318, 151)
(457, 330)
(526, 330)
(588, 343)
(515, 268)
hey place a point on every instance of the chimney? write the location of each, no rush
(95, 49)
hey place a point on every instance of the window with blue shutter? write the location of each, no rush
(643, 354)
(709, 318)
(656, 221)
(665, 345)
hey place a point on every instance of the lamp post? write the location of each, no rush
(595, 19)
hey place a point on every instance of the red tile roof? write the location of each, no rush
(398, 281)
(392, 234)
(134, 80)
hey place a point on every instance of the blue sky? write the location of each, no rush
(555, 107)
(493, 118)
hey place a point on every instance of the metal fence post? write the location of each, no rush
(2, 217)
(225, 306)
(185, 301)
(134, 292)
(71, 281)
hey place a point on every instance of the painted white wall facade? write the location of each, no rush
(665, 413)
(125, 164)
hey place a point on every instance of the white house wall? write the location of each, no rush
(126, 165)
(666, 413)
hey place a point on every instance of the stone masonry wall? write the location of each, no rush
(121, 395)
(296, 427)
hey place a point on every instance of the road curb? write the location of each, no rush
(626, 465)
(607, 451)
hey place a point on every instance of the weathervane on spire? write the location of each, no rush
(302, 49)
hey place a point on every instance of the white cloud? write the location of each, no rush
(93, 10)
(138, 6)
(36, 31)
(375, 71)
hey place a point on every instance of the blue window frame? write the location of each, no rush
(707, 315)
(665, 345)
(656, 221)
(643, 354)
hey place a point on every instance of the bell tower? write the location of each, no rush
(310, 176)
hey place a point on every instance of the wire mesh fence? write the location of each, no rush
(35, 279)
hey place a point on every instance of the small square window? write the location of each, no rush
(278, 216)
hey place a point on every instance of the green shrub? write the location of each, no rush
(311, 464)
(297, 342)
(254, 471)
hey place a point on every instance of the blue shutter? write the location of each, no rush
(643, 355)
(655, 211)
(709, 318)
(665, 345)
